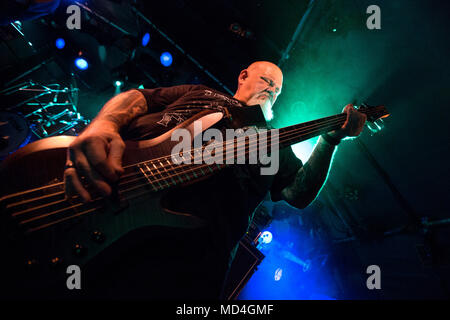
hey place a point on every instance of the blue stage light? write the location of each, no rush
(81, 63)
(293, 267)
(60, 43)
(278, 274)
(145, 39)
(166, 59)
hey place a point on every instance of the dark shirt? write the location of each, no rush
(229, 198)
(226, 200)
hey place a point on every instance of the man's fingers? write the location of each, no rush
(355, 122)
(73, 185)
(94, 160)
(117, 146)
(93, 178)
(96, 153)
(347, 110)
(362, 120)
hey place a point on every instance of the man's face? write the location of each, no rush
(261, 84)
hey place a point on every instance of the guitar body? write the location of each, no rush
(40, 238)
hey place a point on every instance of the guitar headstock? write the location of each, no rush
(373, 113)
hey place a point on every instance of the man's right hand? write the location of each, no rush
(95, 155)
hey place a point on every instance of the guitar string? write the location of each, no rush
(145, 162)
(128, 166)
(73, 215)
(169, 184)
(136, 164)
(331, 118)
(367, 112)
(313, 125)
(145, 184)
(141, 178)
(227, 143)
(177, 168)
(218, 144)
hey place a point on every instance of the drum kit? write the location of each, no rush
(38, 111)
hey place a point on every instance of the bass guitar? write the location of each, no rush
(43, 232)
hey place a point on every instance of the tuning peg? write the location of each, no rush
(375, 126)
(372, 129)
(380, 123)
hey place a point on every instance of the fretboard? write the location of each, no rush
(163, 173)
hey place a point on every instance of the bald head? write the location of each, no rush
(260, 84)
(262, 66)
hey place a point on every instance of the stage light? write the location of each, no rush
(145, 39)
(278, 274)
(60, 43)
(292, 268)
(81, 63)
(266, 237)
(166, 59)
(303, 150)
(141, 86)
(118, 84)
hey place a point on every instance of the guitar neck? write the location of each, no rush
(162, 173)
(307, 130)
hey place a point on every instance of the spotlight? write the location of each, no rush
(145, 39)
(81, 63)
(266, 237)
(60, 43)
(118, 84)
(166, 59)
(278, 274)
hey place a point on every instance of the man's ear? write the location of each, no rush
(242, 76)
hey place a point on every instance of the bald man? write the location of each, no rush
(191, 264)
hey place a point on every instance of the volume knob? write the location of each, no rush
(98, 236)
(79, 250)
(56, 262)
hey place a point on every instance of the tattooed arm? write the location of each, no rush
(96, 153)
(311, 177)
(121, 109)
